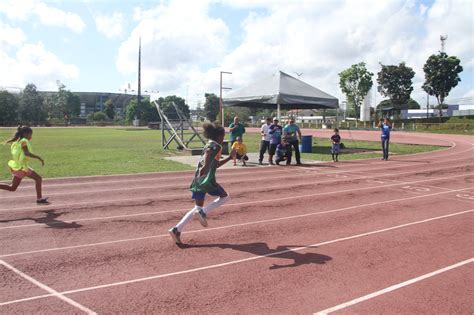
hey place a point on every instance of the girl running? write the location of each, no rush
(19, 165)
(205, 180)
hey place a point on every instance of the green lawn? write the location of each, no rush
(102, 151)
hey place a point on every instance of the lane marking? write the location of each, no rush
(114, 284)
(469, 196)
(144, 199)
(416, 188)
(53, 293)
(227, 226)
(101, 183)
(393, 288)
(241, 203)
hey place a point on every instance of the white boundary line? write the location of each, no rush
(240, 260)
(53, 293)
(147, 199)
(229, 226)
(264, 177)
(393, 288)
(253, 202)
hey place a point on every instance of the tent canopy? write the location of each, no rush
(282, 89)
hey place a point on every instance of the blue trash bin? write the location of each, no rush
(306, 145)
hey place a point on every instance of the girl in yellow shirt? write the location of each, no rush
(19, 164)
(241, 151)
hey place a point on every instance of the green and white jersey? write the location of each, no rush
(207, 182)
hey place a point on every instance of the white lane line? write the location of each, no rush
(145, 200)
(225, 180)
(393, 288)
(242, 260)
(53, 293)
(229, 226)
(250, 202)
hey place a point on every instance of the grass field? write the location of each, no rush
(103, 151)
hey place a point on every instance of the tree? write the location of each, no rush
(211, 107)
(146, 112)
(242, 112)
(395, 82)
(411, 104)
(356, 82)
(109, 109)
(8, 108)
(441, 75)
(167, 106)
(30, 109)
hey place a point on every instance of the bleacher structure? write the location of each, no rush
(177, 127)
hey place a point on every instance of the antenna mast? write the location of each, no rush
(443, 39)
(139, 71)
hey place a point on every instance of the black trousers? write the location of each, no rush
(264, 146)
(296, 145)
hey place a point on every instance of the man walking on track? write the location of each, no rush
(236, 130)
(293, 134)
(265, 143)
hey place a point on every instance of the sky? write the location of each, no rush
(92, 45)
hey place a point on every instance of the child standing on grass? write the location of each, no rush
(241, 151)
(336, 145)
(205, 180)
(19, 165)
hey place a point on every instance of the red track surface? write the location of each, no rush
(349, 235)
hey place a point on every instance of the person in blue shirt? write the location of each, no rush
(293, 134)
(275, 131)
(283, 152)
(385, 127)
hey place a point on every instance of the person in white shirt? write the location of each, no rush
(265, 143)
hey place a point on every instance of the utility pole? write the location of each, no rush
(221, 106)
(139, 71)
(443, 39)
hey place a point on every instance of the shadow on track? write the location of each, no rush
(262, 249)
(50, 220)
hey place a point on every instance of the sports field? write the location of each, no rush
(105, 151)
(364, 236)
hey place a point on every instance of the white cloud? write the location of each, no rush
(47, 15)
(111, 26)
(33, 63)
(179, 39)
(10, 36)
(184, 48)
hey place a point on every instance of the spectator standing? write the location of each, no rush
(293, 135)
(336, 144)
(385, 127)
(265, 143)
(275, 131)
(236, 130)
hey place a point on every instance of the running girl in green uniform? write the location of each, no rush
(19, 165)
(204, 181)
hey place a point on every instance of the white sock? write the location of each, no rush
(216, 203)
(187, 217)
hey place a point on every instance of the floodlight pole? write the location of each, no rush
(221, 105)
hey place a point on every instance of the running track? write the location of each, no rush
(351, 237)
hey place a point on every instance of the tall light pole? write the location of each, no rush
(221, 106)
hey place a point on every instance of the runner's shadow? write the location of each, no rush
(50, 220)
(262, 249)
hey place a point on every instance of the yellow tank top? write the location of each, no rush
(19, 160)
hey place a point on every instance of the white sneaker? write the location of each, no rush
(202, 217)
(176, 235)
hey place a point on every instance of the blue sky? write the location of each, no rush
(92, 45)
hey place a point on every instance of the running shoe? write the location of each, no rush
(176, 235)
(202, 217)
(42, 201)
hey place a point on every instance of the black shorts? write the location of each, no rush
(238, 156)
(272, 148)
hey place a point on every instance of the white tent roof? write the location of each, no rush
(282, 89)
